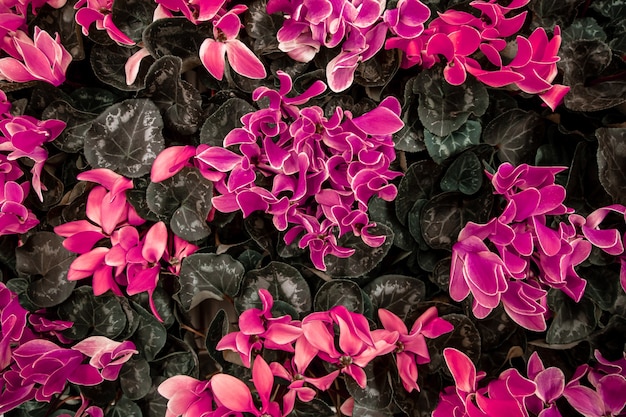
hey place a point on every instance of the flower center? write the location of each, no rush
(345, 361)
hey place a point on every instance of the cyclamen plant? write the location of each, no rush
(289, 207)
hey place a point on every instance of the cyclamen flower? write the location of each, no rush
(99, 11)
(605, 399)
(41, 58)
(550, 385)
(195, 11)
(187, 397)
(411, 349)
(106, 355)
(225, 44)
(12, 324)
(15, 218)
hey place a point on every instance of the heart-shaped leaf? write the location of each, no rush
(464, 175)
(223, 120)
(133, 16)
(44, 260)
(612, 161)
(586, 28)
(208, 276)
(339, 292)
(135, 379)
(179, 102)
(126, 138)
(72, 139)
(150, 336)
(378, 393)
(364, 259)
(465, 337)
(572, 321)
(283, 281)
(176, 36)
(442, 147)
(397, 293)
(443, 107)
(185, 201)
(421, 180)
(516, 134)
(108, 61)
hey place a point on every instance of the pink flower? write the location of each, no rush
(108, 356)
(195, 11)
(187, 396)
(407, 19)
(411, 349)
(14, 216)
(225, 44)
(550, 385)
(99, 11)
(41, 58)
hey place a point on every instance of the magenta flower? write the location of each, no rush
(605, 399)
(41, 58)
(225, 44)
(258, 328)
(550, 385)
(106, 355)
(13, 324)
(187, 397)
(15, 218)
(99, 11)
(195, 11)
(407, 19)
(233, 396)
(357, 345)
(411, 349)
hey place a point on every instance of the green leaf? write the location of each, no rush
(444, 215)
(364, 259)
(283, 282)
(612, 161)
(313, 408)
(132, 16)
(420, 181)
(551, 12)
(381, 211)
(72, 139)
(610, 8)
(464, 175)
(516, 134)
(101, 316)
(585, 28)
(108, 61)
(150, 336)
(339, 292)
(378, 393)
(126, 138)
(444, 108)
(44, 260)
(582, 61)
(93, 99)
(176, 36)
(465, 337)
(179, 102)
(217, 329)
(603, 284)
(440, 148)
(124, 408)
(572, 321)
(135, 379)
(415, 225)
(185, 201)
(223, 120)
(208, 276)
(397, 293)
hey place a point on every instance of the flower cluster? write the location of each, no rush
(128, 259)
(314, 175)
(361, 28)
(38, 58)
(315, 336)
(21, 137)
(32, 366)
(514, 395)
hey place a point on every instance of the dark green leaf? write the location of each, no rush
(176, 36)
(314, 408)
(45, 261)
(179, 102)
(61, 20)
(464, 175)
(582, 61)
(602, 284)
(378, 71)
(108, 61)
(339, 292)
(381, 211)
(133, 16)
(261, 28)
(223, 120)
(444, 215)
(284, 282)
(420, 181)
(516, 134)
(150, 336)
(397, 293)
(572, 321)
(208, 276)
(78, 123)
(250, 259)
(126, 138)
(585, 28)
(363, 411)
(585, 193)
(124, 408)
(612, 161)
(261, 229)
(465, 337)
(184, 199)
(550, 12)
(444, 108)
(217, 329)
(93, 99)
(610, 8)
(377, 394)
(364, 259)
(135, 378)
(180, 363)
(440, 148)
